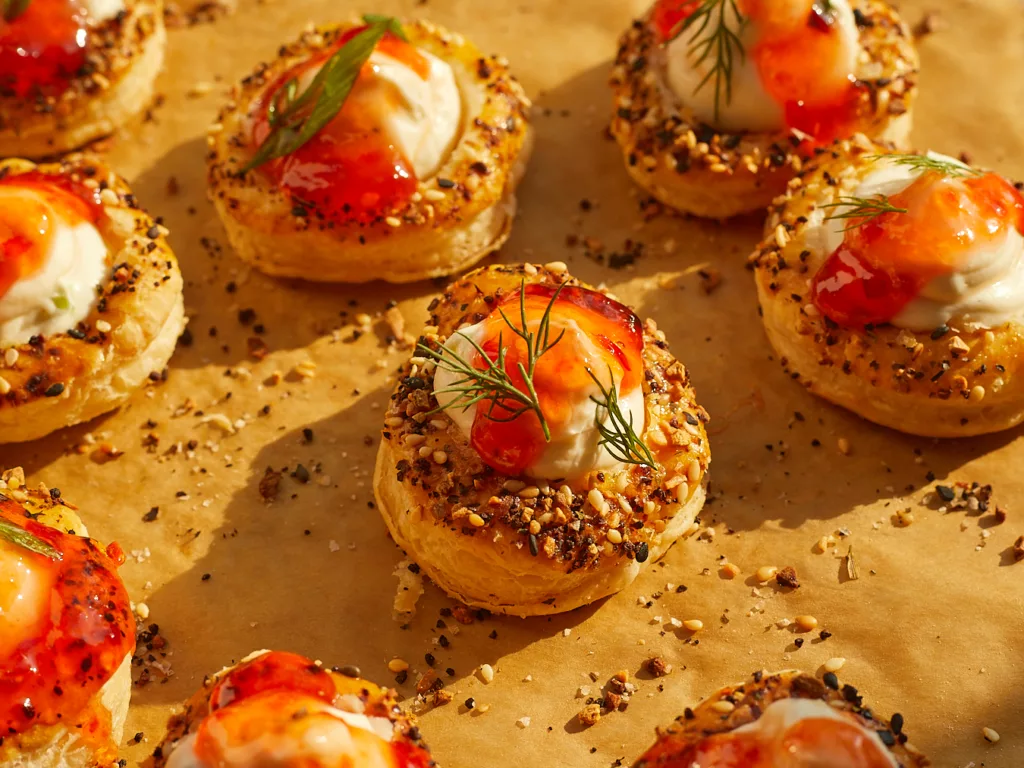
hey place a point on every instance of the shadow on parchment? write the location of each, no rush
(312, 572)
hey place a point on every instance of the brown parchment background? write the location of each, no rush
(933, 628)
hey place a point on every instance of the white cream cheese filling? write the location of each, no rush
(62, 292)
(749, 107)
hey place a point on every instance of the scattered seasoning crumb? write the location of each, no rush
(844, 446)
(589, 715)
(930, 23)
(787, 578)
(270, 484)
(657, 666)
(904, 517)
(152, 515)
(1018, 549)
(851, 565)
(523, 722)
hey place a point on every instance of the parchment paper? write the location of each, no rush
(933, 628)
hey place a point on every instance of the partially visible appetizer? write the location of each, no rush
(542, 445)
(786, 720)
(66, 635)
(381, 150)
(282, 710)
(90, 295)
(72, 71)
(893, 285)
(717, 102)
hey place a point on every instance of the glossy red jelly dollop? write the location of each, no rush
(561, 377)
(799, 54)
(285, 701)
(884, 262)
(808, 743)
(30, 203)
(351, 171)
(53, 664)
(42, 49)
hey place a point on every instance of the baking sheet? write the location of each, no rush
(933, 628)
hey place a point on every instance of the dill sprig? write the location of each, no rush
(18, 536)
(925, 163)
(617, 434)
(294, 117)
(492, 383)
(862, 209)
(712, 38)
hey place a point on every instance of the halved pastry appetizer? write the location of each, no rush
(717, 102)
(893, 285)
(284, 710)
(369, 151)
(542, 445)
(74, 70)
(90, 295)
(66, 635)
(782, 721)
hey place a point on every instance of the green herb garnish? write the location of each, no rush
(296, 118)
(864, 209)
(20, 537)
(492, 383)
(924, 163)
(12, 9)
(61, 302)
(617, 434)
(712, 38)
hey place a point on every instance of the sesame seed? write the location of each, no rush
(413, 440)
(486, 672)
(11, 356)
(806, 623)
(393, 221)
(440, 457)
(475, 520)
(614, 536)
(5, 386)
(556, 266)
(694, 625)
(834, 664)
(723, 707)
(103, 326)
(766, 573)
(434, 195)
(398, 665)
(991, 736)
(730, 570)
(394, 421)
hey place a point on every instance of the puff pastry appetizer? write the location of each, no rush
(782, 721)
(284, 710)
(90, 295)
(717, 102)
(542, 445)
(74, 70)
(893, 285)
(376, 151)
(66, 635)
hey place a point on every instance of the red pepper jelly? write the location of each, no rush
(30, 203)
(800, 56)
(884, 262)
(810, 741)
(42, 49)
(351, 171)
(280, 699)
(511, 443)
(65, 627)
